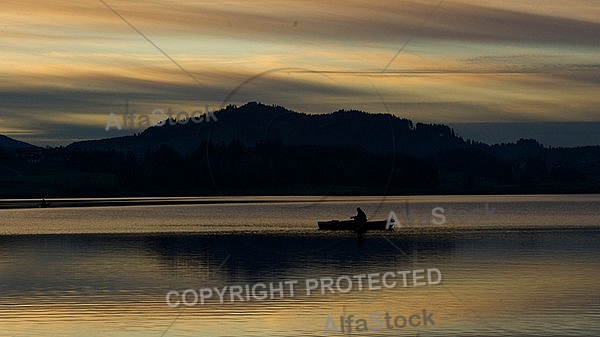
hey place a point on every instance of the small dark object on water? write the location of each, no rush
(360, 216)
(353, 225)
(44, 204)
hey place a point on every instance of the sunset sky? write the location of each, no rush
(66, 65)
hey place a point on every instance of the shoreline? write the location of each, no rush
(7, 204)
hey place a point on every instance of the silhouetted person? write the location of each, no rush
(44, 204)
(360, 216)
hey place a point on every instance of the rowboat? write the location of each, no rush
(352, 225)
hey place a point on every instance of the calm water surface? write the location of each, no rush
(532, 270)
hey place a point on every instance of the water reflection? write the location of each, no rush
(515, 277)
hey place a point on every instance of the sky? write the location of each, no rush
(491, 68)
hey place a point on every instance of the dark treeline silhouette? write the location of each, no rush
(256, 123)
(272, 168)
(234, 168)
(267, 150)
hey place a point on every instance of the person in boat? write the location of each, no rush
(44, 203)
(360, 216)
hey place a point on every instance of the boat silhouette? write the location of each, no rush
(353, 225)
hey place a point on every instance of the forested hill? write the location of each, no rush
(255, 123)
(9, 143)
(257, 149)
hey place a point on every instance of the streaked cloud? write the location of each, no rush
(70, 64)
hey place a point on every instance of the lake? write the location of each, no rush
(529, 268)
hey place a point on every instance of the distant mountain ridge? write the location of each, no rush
(255, 123)
(10, 143)
(257, 149)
